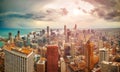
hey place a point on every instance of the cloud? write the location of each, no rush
(107, 9)
(21, 5)
(8, 15)
(49, 15)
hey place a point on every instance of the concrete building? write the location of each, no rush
(10, 38)
(62, 64)
(18, 35)
(52, 58)
(89, 55)
(65, 29)
(40, 66)
(103, 54)
(18, 59)
(110, 66)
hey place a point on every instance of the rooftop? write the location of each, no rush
(23, 50)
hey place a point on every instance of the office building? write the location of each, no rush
(41, 66)
(65, 29)
(48, 31)
(62, 64)
(105, 66)
(18, 59)
(10, 38)
(103, 54)
(52, 58)
(89, 55)
(18, 35)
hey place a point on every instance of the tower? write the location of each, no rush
(75, 27)
(18, 59)
(48, 30)
(52, 58)
(65, 30)
(18, 34)
(10, 37)
(89, 55)
(104, 55)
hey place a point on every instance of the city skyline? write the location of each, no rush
(57, 13)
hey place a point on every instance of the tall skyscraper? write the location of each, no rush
(18, 34)
(75, 27)
(48, 30)
(52, 58)
(18, 59)
(72, 50)
(104, 56)
(62, 64)
(65, 30)
(10, 38)
(89, 55)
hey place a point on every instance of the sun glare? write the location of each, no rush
(76, 12)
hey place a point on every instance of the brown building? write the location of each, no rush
(52, 58)
(89, 55)
(40, 66)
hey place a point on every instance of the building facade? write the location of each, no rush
(19, 61)
(52, 58)
(104, 55)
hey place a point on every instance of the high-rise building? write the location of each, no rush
(62, 64)
(18, 59)
(65, 29)
(75, 27)
(89, 55)
(10, 38)
(48, 30)
(18, 34)
(72, 50)
(52, 58)
(104, 56)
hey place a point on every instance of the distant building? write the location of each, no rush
(52, 58)
(18, 60)
(89, 55)
(19, 43)
(62, 64)
(18, 35)
(10, 38)
(65, 29)
(105, 66)
(110, 66)
(40, 66)
(104, 56)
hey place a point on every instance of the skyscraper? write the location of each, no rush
(18, 34)
(104, 56)
(89, 55)
(52, 58)
(10, 38)
(48, 30)
(18, 59)
(65, 30)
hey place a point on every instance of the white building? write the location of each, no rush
(62, 64)
(19, 59)
(104, 55)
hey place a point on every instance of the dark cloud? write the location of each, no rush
(21, 5)
(107, 9)
(37, 16)
(16, 16)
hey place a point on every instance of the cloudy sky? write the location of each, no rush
(57, 13)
